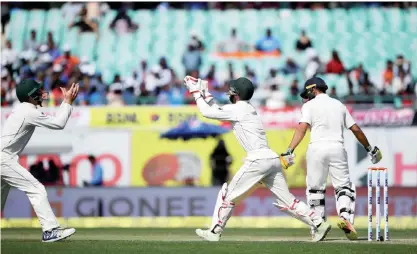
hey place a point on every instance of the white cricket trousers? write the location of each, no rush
(324, 158)
(253, 173)
(13, 174)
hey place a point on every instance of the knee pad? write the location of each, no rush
(346, 205)
(316, 198)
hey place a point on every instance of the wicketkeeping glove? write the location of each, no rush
(375, 154)
(287, 158)
(192, 84)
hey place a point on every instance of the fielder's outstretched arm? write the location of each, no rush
(39, 119)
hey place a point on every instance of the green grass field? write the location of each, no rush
(182, 241)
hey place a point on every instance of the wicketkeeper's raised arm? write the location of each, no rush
(205, 102)
(58, 122)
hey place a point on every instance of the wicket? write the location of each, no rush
(378, 203)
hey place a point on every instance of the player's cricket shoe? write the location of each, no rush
(57, 234)
(322, 231)
(208, 235)
(348, 228)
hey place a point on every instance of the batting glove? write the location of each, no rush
(375, 154)
(287, 158)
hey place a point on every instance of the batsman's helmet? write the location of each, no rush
(29, 88)
(310, 84)
(242, 87)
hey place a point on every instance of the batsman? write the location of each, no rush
(328, 118)
(262, 165)
(16, 133)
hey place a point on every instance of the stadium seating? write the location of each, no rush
(360, 35)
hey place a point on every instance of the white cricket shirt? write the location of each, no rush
(21, 123)
(327, 117)
(246, 123)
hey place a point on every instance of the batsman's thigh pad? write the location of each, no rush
(338, 166)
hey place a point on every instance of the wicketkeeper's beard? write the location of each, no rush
(232, 99)
(40, 97)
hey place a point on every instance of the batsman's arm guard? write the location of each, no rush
(351, 193)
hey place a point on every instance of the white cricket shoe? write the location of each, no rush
(57, 234)
(208, 235)
(322, 231)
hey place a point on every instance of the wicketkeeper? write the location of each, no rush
(262, 165)
(328, 118)
(16, 133)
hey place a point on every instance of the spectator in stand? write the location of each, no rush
(367, 86)
(96, 98)
(251, 75)
(84, 23)
(290, 67)
(68, 61)
(177, 94)
(402, 64)
(211, 77)
(114, 97)
(32, 43)
(313, 65)
(52, 48)
(388, 74)
(54, 83)
(8, 56)
(163, 97)
(303, 42)
(268, 43)
(141, 72)
(9, 86)
(165, 72)
(400, 83)
(276, 99)
(128, 95)
(273, 79)
(196, 42)
(97, 178)
(335, 65)
(232, 45)
(294, 96)
(70, 10)
(191, 60)
(145, 97)
(122, 23)
(83, 93)
(333, 93)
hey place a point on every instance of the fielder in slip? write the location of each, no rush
(262, 165)
(16, 133)
(327, 118)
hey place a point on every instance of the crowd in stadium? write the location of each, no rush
(55, 66)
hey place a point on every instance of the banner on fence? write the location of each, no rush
(155, 202)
